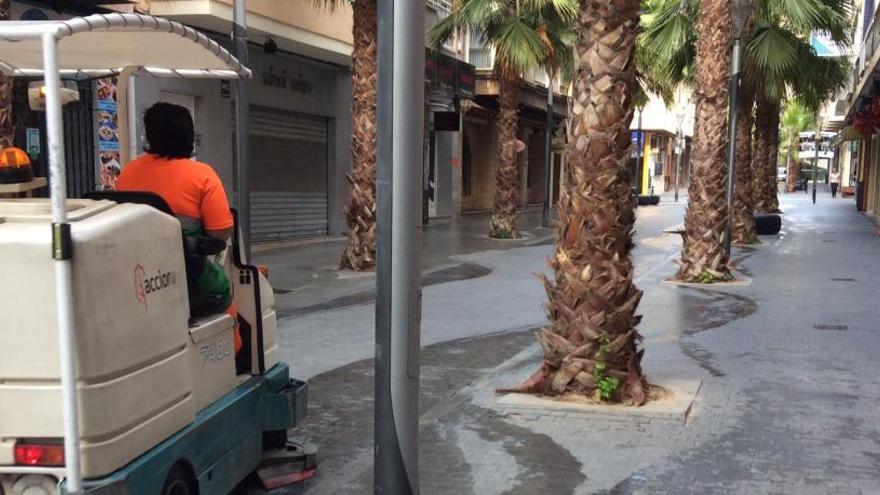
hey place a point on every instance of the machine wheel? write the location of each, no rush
(179, 482)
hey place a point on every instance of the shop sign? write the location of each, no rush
(282, 81)
(33, 142)
(467, 80)
(447, 72)
(634, 153)
(109, 160)
(430, 67)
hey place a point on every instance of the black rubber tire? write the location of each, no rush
(768, 224)
(179, 482)
(655, 200)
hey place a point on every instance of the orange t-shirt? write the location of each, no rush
(192, 189)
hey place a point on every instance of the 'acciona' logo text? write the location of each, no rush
(145, 284)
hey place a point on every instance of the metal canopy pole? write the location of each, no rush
(62, 252)
(547, 217)
(242, 108)
(400, 158)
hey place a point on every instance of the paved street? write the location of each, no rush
(788, 402)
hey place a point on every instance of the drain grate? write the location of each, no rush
(838, 328)
(841, 279)
(281, 291)
(829, 240)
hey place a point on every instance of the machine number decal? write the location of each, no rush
(216, 351)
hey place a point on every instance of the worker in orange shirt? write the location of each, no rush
(195, 194)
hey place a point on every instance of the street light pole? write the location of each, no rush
(547, 217)
(680, 146)
(816, 138)
(731, 139)
(400, 155)
(242, 107)
(741, 11)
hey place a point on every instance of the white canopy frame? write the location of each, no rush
(73, 48)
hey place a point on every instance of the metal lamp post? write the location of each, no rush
(679, 146)
(242, 116)
(741, 10)
(816, 142)
(547, 216)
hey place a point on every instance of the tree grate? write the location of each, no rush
(838, 328)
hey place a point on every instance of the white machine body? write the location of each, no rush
(143, 371)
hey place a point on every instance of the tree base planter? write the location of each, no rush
(740, 281)
(768, 224)
(668, 400)
(648, 200)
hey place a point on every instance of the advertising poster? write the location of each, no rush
(107, 123)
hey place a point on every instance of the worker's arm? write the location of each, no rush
(223, 234)
(216, 217)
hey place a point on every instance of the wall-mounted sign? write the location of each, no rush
(449, 73)
(109, 160)
(281, 80)
(225, 88)
(467, 80)
(33, 142)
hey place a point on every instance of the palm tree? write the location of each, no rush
(524, 35)
(796, 118)
(778, 58)
(742, 216)
(360, 247)
(7, 131)
(591, 344)
(703, 257)
(766, 153)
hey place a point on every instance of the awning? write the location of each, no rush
(105, 44)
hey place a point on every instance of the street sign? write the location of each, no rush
(33, 142)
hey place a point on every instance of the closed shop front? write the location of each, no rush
(289, 161)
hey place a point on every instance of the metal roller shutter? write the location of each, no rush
(288, 172)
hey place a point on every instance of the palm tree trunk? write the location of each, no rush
(763, 109)
(360, 248)
(503, 224)
(703, 258)
(7, 130)
(792, 169)
(743, 217)
(767, 148)
(771, 180)
(591, 345)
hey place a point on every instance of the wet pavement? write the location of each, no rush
(789, 401)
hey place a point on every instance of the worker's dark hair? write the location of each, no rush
(170, 132)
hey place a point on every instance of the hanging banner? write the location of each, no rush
(107, 131)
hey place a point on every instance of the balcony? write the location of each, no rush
(864, 65)
(440, 5)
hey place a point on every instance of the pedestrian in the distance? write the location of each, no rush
(835, 182)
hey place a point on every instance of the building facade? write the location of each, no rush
(660, 133)
(300, 120)
(855, 114)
